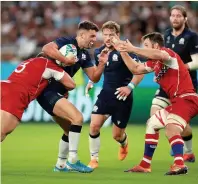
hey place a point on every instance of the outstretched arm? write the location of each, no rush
(155, 54)
(135, 67)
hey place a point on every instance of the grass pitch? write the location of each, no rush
(30, 152)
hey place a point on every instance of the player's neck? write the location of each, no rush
(176, 32)
(79, 43)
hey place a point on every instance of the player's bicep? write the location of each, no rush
(52, 45)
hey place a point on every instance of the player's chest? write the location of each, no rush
(114, 61)
(178, 44)
(81, 56)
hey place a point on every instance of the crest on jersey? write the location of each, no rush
(181, 41)
(115, 57)
(83, 56)
(168, 39)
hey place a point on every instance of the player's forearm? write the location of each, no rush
(148, 53)
(98, 73)
(137, 79)
(68, 82)
(131, 64)
(52, 51)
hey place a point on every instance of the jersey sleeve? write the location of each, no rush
(53, 71)
(149, 65)
(88, 62)
(96, 56)
(135, 57)
(61, 41)
(194, 44)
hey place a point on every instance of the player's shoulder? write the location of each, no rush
(190, 32)
(167, 32)
(99, 50)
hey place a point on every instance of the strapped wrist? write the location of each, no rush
(131, 85)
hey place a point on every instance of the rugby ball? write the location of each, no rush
(68, 50)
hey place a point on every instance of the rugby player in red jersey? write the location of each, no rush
(24, 85)
(173, 77)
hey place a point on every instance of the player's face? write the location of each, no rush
(177, 20)
(89, 39)
(108, 34)
(147, 43)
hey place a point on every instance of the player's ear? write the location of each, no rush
(156, 45)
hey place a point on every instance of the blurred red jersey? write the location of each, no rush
(27, 81)
(172, 75)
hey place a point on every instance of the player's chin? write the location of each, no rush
(108, 45)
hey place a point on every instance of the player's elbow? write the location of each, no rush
(71, 85)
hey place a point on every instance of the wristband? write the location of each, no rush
(131, 85)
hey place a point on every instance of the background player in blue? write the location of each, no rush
(115, 98)
(52, 99)
(185, 43)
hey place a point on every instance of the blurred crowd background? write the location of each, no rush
(27, 26)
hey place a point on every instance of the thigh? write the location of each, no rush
(66, 110)
(13, 100)
(121, 113)
(47, 100)
(8, 122)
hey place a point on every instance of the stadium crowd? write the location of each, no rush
(27, 26)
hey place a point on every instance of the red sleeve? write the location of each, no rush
(149, 65)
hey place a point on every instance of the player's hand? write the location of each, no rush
(126, 46)
(103, 58)
(87, 88)
(122, 93)
(71, 59)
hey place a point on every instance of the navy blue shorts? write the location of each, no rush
(119, 110)
(48, 99)
(161, 93)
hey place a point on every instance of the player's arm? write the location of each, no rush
(193, 65)
(67, 81)
(95, 73)
(135, 67)
(54, 71)
(154, 54)
(52, 50)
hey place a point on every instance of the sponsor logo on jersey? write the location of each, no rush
(181, 41)
(115, 57)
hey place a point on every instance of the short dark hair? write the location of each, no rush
(155, 37)
(87, 25)
(183, 11)
(111, 25)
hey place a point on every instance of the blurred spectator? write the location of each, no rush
(27, 26)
